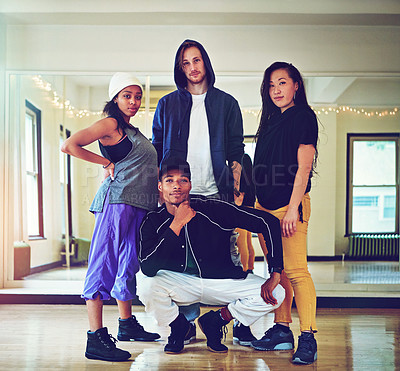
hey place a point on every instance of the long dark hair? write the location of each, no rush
(269, 109)
(111, 109)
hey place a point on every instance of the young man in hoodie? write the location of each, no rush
(203, 125)
(182, 265)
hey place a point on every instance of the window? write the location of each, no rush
(65, 185)
(33, 161)
(373, 183)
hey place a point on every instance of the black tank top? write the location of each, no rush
(118, 151)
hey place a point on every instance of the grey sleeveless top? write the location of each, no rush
(135, 177)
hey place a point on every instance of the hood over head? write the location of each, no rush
(180, 77)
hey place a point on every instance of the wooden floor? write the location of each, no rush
(53, 337)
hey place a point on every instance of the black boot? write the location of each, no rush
(101, 345)
(131, 330)
(180, 327)
(212, 324)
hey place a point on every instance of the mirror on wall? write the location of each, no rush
(50, 193)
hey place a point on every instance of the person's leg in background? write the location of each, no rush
(242, 334)
(252, 254)
(243, 248)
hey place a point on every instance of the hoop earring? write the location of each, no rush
(294, 96)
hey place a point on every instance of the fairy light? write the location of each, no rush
(357, 111)
(339, 110)
(61, 103)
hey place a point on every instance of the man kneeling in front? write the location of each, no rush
(184, 253)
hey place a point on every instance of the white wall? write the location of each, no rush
(321, 236)
(322, 49)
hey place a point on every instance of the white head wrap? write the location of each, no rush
(121, 80)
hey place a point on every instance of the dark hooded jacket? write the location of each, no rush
(171, 125)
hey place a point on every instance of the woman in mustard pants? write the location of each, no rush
(284, 161)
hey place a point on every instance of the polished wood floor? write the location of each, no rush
(53, 337)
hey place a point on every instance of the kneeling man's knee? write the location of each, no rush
(146, 287)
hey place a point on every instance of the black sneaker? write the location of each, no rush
(131, 330)
(306, 352)
(191, 334)
(275, 339)
(212, 324)
(101, 345)
(242, 334)
(179, 328)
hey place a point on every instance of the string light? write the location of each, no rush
(60, 103)
(356, 110)
(251, 112)
(340, 110)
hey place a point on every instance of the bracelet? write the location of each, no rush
(105, 167)
(276, 270)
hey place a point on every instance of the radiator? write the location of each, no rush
(377, 246)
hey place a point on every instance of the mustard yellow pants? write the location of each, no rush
(246, 250)
(295, 277)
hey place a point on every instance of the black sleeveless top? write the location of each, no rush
(118, 151)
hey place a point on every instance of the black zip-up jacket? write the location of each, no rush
(208, 236)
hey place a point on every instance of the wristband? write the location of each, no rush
(277, 270)
(105, 167)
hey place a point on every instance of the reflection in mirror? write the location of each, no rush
(52, 232)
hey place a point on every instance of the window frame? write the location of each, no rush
(351, 138)
(38, 115)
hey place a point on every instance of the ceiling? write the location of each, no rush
(205, 12)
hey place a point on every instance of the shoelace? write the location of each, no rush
(135, 323)
(268, 333)
(108, 341)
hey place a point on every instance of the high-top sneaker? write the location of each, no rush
(131, 330)
(276, 338)
(306, 352)
(101, 345)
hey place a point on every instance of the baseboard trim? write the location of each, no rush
(45, 267)
(314, 258)
(51, 299)
(322, 302)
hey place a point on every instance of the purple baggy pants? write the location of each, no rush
(113, 260)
